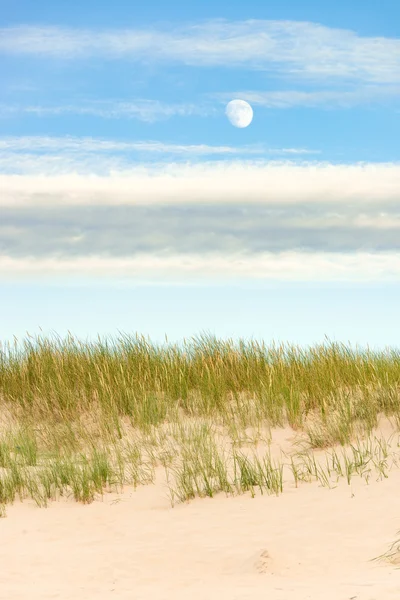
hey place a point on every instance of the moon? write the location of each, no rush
(239, 112)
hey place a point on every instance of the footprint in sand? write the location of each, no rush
(260, 562)
(264, 562)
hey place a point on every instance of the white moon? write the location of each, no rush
(239, 112)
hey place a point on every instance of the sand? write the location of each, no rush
(309, 543)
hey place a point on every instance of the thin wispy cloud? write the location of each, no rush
(148, 111)
(294, 48)
(148, 269)
(364, 95)
(151, 111)
(41, 143)
(90, 156)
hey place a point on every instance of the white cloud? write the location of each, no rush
(148, 111)
(30, 155)
(229, 221)
(42, 143)
(274, 182)
(315, 98)
(297, 48)
(284, 266)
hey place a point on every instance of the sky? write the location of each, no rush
(129, 202)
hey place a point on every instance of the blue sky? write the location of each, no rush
(128, 201)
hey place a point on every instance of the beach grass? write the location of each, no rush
(81, 419)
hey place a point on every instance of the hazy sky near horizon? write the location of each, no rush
(129, 201)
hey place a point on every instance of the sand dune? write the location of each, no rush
(310, 542)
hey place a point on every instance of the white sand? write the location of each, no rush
(309, 543)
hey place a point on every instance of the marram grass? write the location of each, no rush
(79, 419)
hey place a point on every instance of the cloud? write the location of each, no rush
(363, 95)
(152, 111)
(148, 111)
(217, 183)
(64, 155)
(151, 269)
(79, 144)
(295, 48)
(117, 231)
(239, 219)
